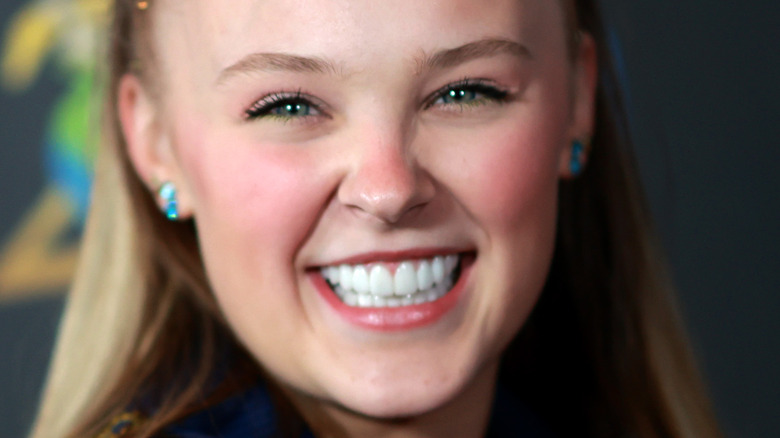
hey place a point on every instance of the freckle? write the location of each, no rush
(143, 5)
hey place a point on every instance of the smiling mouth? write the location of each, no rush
(404, 283)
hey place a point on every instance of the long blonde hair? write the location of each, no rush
(603, 348)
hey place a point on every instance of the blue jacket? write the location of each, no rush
(251, 414)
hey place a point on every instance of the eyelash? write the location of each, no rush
(490, 94)
(264, 106)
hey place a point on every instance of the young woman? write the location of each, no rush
(362, 218)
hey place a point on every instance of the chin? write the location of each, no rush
(392, 398)
(393, 404)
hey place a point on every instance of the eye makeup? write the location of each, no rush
(285, 106)
(461, 95)
(467, 93)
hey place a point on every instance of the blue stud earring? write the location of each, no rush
(167, 193)
(577, 160)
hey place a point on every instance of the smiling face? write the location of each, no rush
(373, 183)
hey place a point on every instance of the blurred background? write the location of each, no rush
(703, 87)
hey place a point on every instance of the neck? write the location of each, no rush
(466, 415)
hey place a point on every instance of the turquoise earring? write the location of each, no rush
(577, 160)
(167, 193)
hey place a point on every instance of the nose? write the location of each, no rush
(387, 181)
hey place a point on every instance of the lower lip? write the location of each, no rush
(388, 319)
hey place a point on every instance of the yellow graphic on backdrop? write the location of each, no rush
(33, 261)
(38, 258)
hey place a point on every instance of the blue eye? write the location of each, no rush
(468, 93)
(285, 106)
(459, 95)
(293, 109)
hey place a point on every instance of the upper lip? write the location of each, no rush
(393, 256)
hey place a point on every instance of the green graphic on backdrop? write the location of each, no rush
(40, 255)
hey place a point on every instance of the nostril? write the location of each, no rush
(387, 191)
(386, 208)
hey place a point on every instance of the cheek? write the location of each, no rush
(252, 202)
(510, 187)
(512, 176)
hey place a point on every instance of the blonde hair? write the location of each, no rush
(101, 317)
(605, 332)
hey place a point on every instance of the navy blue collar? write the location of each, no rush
(251, 414)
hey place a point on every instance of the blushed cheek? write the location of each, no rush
(513, 177)
(252, 198)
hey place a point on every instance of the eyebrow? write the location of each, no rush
(470, 51)
(438, 60)
(276, 62)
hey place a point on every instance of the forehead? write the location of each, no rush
(216, 33)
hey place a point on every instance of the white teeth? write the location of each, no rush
(332, 274)
(405, 280)
(438, 269)
(345, 276)
(375, 286)
(381, 281)
(424, 276)
(360, 280)
(350, 299)
(365, 300)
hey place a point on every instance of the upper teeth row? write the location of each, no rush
(377, 279)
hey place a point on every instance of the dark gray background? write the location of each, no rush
(703, 85)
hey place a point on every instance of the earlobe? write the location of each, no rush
(148, 147)
(574, 157)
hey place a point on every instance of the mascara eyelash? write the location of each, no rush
(262, 106)
(488, 88)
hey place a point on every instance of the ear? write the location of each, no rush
(148, 145)
(584, 82)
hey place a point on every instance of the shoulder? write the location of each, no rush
(122, 425)
(247, 413)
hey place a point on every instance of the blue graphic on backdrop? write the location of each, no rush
(40, 255)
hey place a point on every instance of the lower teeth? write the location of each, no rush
(420, 297)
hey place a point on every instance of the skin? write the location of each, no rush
(379, 166)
